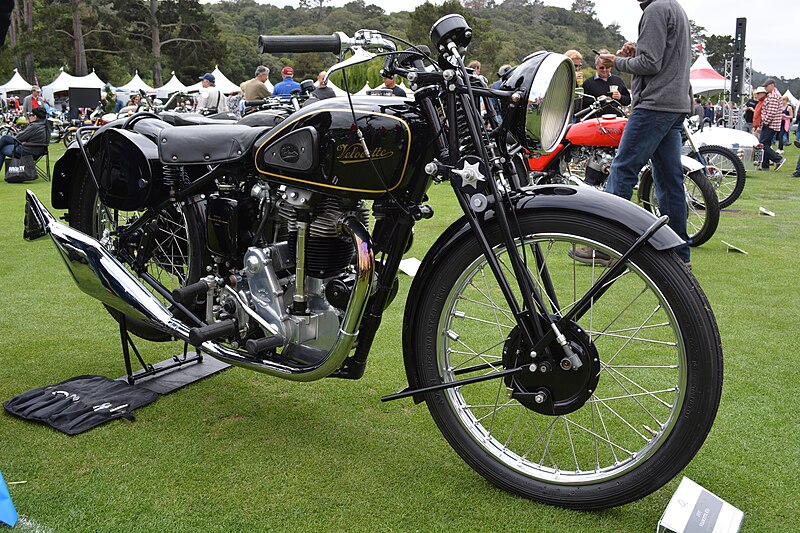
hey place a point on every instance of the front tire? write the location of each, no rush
(702, 205)
(660, 367)
(727, 172)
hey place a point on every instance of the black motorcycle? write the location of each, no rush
(276, 248)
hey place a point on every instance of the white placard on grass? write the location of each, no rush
(693, 509)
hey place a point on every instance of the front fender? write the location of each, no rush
(541, 198)
(693, 165)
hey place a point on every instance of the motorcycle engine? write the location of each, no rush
(598, 167)
(299, 285)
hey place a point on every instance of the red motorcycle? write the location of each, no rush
(584, 158)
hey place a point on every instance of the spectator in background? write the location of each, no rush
(606, 84)
(36, 132)
(285, 87)
(660, 62)
(577, 60)
(760, 93)
(475, 65)
(211, 99)
(256, 88)
(708, 117)
(501, 72)
(322, 91)
(698, 111)
(771, 118)
(787, 115)
(749, 110)
(33, 100)
(391, 84)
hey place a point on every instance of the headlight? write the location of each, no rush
(545, 81)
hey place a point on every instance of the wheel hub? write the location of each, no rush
(552, 389)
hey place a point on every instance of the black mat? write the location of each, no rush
(79, 404)
(180, 376)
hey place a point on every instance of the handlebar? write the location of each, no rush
(299, 43)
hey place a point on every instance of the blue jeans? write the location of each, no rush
(7, 143)
(766, 137)
(656, 136)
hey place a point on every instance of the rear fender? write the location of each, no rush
(540, 198)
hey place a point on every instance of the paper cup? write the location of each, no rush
(613, 88)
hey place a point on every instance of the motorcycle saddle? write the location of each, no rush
(195, 119)
(195, 145)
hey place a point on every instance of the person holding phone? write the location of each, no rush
(605, 84)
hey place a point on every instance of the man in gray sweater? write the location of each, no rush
(660, 63)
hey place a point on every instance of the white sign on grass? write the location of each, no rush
(693, 509)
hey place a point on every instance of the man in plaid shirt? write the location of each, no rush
(770, 125)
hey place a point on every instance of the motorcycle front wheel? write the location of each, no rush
(726, 172)
(627, 421)
(176, 259)
(702, 204)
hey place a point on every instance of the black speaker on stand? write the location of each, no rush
(737, 63)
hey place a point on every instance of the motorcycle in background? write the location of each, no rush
(585, 156)
(582, 387)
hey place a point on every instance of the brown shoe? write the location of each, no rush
(589, 256)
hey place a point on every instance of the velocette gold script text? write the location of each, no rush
(354, 153)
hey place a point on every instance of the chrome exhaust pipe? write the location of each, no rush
(100, 275)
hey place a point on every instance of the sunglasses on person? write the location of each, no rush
(601, 67)
(578, 66)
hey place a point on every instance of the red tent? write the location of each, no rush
(704, 78)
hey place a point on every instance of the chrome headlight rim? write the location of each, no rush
(547, 82)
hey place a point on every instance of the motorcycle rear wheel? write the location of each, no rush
(702, 205)
(177, 258)
(660, 362)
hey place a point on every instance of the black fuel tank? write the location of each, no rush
(317, 147)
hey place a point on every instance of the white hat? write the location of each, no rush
(760, 90)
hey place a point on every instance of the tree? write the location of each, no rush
(178, 31)
(698, 38)
(719, 48)
(585, 7)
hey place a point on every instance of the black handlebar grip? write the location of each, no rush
(299, 43)
(254, 103)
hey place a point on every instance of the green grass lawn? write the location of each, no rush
(242, 451)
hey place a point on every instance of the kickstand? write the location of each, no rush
(148, 369)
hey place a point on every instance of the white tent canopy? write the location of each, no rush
(704, 79)
(64, 82)
(135, 85)
(792, 100)
(16, 83)
(174, 85)
(222, 83)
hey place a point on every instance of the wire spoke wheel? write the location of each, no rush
(726, 172)
(175, 252)
(633, 407)
(702, 205)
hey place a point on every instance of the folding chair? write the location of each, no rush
(43, 173)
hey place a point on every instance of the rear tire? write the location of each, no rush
(660, 367)
(702, 205)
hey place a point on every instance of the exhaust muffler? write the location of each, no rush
(100, 275)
